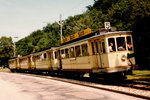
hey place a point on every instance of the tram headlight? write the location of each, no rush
(123, 58)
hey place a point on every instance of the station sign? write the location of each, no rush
(76, 35)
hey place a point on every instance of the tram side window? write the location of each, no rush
(33, 58)
(72, 52)
(55, 55)
(84, 50)
(129, 43)
(24, 60)
(93, 50)
(67, 53)
(62, 54)
(38, 58)
(41, 57)
(45, 56)
(111, 43)
(121, 46)
(78, 51)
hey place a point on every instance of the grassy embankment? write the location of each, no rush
(4, 69)
(139, 74)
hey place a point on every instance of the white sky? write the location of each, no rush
(21, 17)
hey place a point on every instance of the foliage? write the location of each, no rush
(6, 50)
(141, 38)
(39, 40)
(139, 74)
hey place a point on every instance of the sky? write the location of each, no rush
(19, 18)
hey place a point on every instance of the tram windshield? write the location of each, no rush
(129, 43)
(111, 43)
(121, 45)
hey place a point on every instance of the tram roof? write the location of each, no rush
(97, 35)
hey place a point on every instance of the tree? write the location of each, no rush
(141, 37)
(6, 50)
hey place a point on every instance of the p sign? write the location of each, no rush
(107, 25)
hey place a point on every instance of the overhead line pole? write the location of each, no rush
(15, 48)
(61, 26)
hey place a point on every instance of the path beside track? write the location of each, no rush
(21, 87)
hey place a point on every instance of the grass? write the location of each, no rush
(139, 74)
(4, 69)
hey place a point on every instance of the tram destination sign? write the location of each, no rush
(76, 35)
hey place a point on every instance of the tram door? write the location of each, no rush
(29, 62)
(51, 59)
(101, 53)
(97, 53)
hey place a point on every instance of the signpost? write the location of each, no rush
(107, 25)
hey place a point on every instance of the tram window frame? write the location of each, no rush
(72, 52)
(112, 40)
(67, 53)
(85, 47)
(121, 43)
(128, 43)
(78, 51)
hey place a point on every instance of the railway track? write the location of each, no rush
(132, 88)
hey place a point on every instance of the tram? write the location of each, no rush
(99, 53)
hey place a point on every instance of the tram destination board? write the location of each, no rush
(76, 35)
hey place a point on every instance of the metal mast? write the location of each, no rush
(61, 25)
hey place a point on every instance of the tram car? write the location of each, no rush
(102, 53)
(45, 60)
(12, 64)
(97, 53)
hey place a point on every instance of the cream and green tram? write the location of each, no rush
(102, 53)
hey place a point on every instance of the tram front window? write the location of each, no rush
(129, 43)
(121, 46)
(111, 43)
